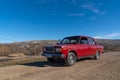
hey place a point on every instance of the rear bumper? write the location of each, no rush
(62, 56)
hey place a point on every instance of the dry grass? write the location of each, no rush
(16, 55)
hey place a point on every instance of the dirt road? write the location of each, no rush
(106, 68)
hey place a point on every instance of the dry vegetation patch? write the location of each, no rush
(17, 55)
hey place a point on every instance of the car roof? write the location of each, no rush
(79, 36)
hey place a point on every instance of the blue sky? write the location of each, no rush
(23, 20)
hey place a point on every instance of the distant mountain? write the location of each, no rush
(109, 44)
(37, 41)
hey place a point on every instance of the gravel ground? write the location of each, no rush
(106, 68)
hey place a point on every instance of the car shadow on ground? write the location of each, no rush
(45, 64)
(53, 64)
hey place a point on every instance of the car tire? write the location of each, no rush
(50, 60)
(97, 55)
(71, 59)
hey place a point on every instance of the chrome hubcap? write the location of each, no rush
(71, 59)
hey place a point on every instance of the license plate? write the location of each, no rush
(48, 55)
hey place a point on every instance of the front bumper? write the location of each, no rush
(54, 55)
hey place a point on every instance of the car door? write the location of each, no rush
(92, 45)
(83, 47)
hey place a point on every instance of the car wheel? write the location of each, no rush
(71, 59)
(50, 60)
(97, 55)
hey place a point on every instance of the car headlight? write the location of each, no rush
(58, 49)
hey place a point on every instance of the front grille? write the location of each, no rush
(49, 50)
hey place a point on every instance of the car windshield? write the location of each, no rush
(70, 40)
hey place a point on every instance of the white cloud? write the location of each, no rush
(109, 36)
(93, 7)
(90, 7)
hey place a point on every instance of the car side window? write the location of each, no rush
(83, 41)
(74, 41)
(91, 41)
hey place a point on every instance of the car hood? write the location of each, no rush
(58, 45)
